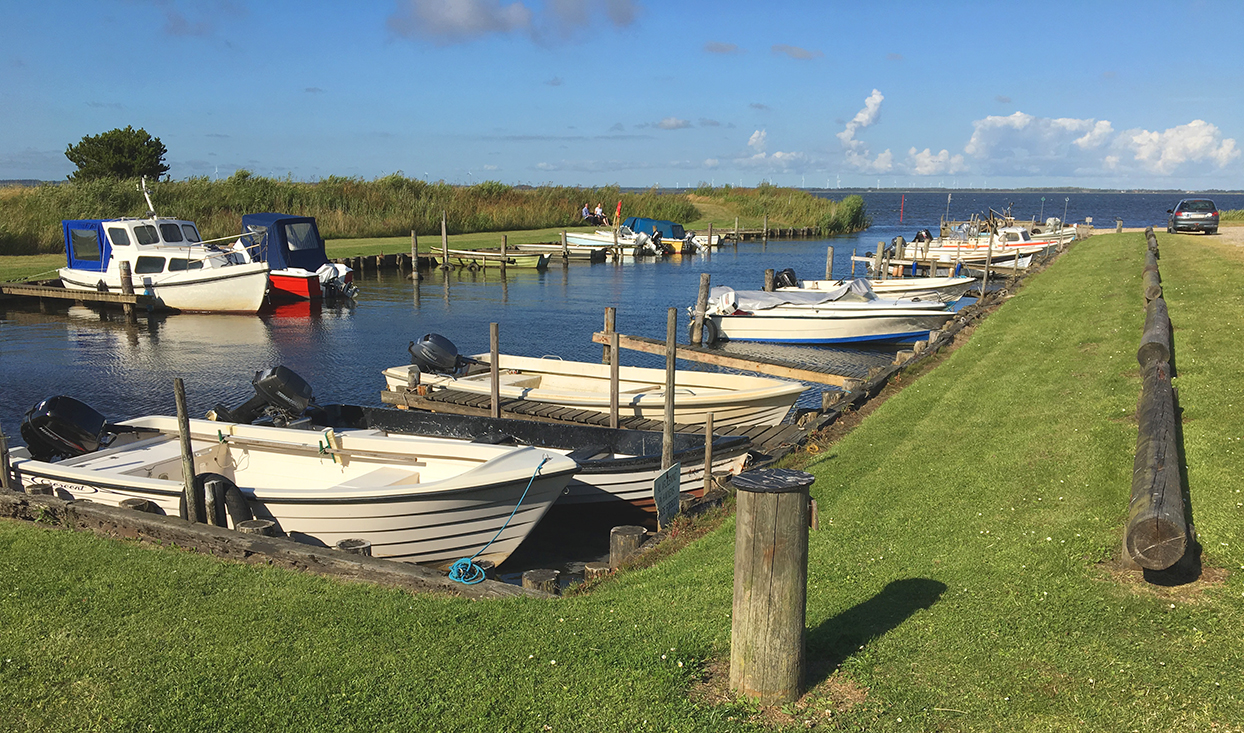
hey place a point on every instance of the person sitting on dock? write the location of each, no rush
(601, 219)
(587, 214)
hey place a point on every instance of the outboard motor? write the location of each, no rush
(924, 235)
(62, 427)
(786, 279)
(281, 396)
(435, 354)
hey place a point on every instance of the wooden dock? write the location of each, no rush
(46, 289)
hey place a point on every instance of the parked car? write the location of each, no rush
(1193, 215)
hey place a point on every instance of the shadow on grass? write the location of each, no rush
(832, 642)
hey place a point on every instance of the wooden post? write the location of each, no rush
(710, 236)
(708, 452)
(187, 453)
(611, 316)
(262, 527)
(444, 243)
(671, 345)
(854, 253)
(623, 542)
(988, 264)
(736, 232)
(617, 251)
(127, 288)
(1157, 530)
(414, 250)
(614, 367)
(6, 470)
(542, 579)
(769, 281)
(494, 366)
(701, 305)
(767, 646)
(593, 570)
(354, 546)
(138, 504)
(505, 245)
(764, 242)
(565, 248)
(877, 267)
(829, 264)
(214, 503)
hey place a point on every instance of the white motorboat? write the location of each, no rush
(942, 289)
(851, 313)
(168, 261)
(734, 399)
(416, 499)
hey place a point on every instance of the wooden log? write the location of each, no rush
(414, 250)
(829, 263)
(505, 245)
(494, 366)
(542, 579)
(769, 280)
(354, 546)
(701, 305)
(138, 504)
(262, 527)
(708, 452)
(615, 365)
(189, 492)
(671, 351)
(6, 469)
(1151, 260)
(1152, 286)
(444, 243)
(611, 317)
(593, 570)
(1157, 531)
(127, 288)
(765, 231)
(1155, 340)
(767, 635)
(624, 541)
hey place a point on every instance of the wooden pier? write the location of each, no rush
(54, 290)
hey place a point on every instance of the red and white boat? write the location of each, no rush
(294, 250)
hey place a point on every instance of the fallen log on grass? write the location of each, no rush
(1157, 531)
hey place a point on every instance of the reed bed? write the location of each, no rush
(789, 207)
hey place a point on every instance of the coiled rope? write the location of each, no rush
(465, 571)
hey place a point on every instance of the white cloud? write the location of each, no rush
(883, 163)
(673, 123)
(757, 141)
(1096, 137)
(926, 163)
(1196, 142)
(795, 52)
(866, 117)
(459, 21)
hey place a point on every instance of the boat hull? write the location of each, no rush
(941, 289)
(290, 285)
(830, 327)
(233, 289)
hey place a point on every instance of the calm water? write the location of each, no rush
(125, 371)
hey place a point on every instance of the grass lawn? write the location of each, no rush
(962, 579)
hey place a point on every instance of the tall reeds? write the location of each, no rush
(791, 207)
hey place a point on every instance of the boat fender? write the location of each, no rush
(711, 334)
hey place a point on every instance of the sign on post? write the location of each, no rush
(666, 489)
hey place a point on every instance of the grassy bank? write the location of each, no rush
(961, 579)
(386, 207)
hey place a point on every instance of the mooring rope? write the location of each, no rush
(465, 571)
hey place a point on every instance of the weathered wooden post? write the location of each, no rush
(769, 280)
(593, 570)
(709, 246)
(505, 245)
(6, 470)
(767, 636)
(611, 317)
(565, 249)
(764, 242)
(542, 579)
(193, 512)
(855, 251)
(736, 232)
(138, 504)
(988, 265)
(671, 350)
(261, 527)
(614, 367)
(877, 274)
(1157, 531)
(354, 546)
(444, 243)
(708, 452)
(829, 264)
(624, 541)
(494, 366)
(701, 305)
(127, 288)
(414, 250)
(1155, 339)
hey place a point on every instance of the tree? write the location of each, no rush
(127, 153)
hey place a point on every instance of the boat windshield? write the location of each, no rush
(170, 232)
(192, 234)
(301, 235)
(146, 234)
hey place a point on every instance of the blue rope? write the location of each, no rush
(465, 571)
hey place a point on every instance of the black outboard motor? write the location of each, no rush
(62, 427)
(786, 279)
(436, 354)
(281, 396)
(924, 235)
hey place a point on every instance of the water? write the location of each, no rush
(128, 370)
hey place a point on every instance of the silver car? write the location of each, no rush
(1193, 215)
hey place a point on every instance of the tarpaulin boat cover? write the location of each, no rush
(285, 241)
(86, 247)
(724, 300)
(668, 229)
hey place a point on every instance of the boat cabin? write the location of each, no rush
(150, 245)
(285, 241)
(668, 229)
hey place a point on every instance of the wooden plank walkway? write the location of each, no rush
(85, 296)
(765, 438)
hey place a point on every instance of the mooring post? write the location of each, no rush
(614, 368)
(617, 252)
(127, 288)
(193, 512)
(444, 243)
(764, 242)
(505, 245)
(708, 452)
(214, 503)
(414, 250)
(769, 280)
(565, 248)
(879, 255)
(611, 315)
(623, 542)
(594, 570)
(494, 367)
(767, 647)
(261, 527)
(138, 504)
(6, 470)
(701, 305)
(709, 246)
(736, 232)
(671, 346)
(988, 264)
(829, 264)
(542, 579)
(855, 251)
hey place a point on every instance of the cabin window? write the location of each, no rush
(85, 244)
(119, 237)
(170, 232)
(301, 236)
(1012, 237)
(149, 265)
(192, 234)
(146, 234)
(183, 264)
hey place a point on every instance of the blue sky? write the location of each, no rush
(1128, 94)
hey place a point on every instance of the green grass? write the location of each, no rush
(960, 578)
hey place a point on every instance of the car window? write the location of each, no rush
(1197, 206)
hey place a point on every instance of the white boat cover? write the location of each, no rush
(723, 300)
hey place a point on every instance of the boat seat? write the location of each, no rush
(382, 477)
(522, 381)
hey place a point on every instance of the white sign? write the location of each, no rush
(666, 489)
